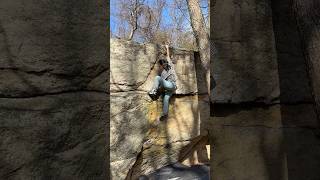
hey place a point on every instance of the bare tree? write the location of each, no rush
(150, 22)
(128, 15)
(139, 19)
(201, 35)
(143, 21)
(135, 10)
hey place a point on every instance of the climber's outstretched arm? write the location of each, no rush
(168, 52)
(169, 55)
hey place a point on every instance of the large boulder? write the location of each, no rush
(136, 141)
(134, 66)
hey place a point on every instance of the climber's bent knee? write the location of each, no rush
(158, 77)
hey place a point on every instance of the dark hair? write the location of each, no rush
(165, 64)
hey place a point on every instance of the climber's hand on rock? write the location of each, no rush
(167, 44)
(168, 50)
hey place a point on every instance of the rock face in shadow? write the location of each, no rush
(307, 16)
(138, 146)
(270, 141)
(265, 124)
(53, 136)
(245, 64)
(53, 97)
(51, 47)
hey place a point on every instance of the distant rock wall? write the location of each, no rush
(133, 69)
(53, 97)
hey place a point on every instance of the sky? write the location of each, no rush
(166, 19)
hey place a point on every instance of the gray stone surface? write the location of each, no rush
(156, 156)
(275, 116)
(50, 47)
(119, 169)
(308, 23)
(248, 153)
(245, 66)
(131, 63)
(265, 142)
(134, 66)
(53, 105)
(128, 126)
(159, 153)
(265, 123)
(292, 65)
(265, 153)
(53, 136)
(132, 119)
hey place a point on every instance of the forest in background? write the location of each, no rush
(155, 21)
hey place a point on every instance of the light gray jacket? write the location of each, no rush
(170, 75)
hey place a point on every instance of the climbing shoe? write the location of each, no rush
(153, 94)
(163, 117)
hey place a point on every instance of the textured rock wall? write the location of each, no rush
(53, 101)
(133, 69)
(292, 66)
(308, 17)
(264, 123)
(245, 66)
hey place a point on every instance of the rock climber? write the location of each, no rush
(165, 80)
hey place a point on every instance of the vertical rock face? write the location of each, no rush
(308, 17)
(265, 142)
(137, 146)
(245, 66)
(293, 75)
(134, 66)
(53, 101)
(264, 116)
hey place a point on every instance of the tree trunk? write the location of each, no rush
(201, 36)
(133, 29)
(202, 42)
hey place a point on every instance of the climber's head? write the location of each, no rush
(163, 63)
